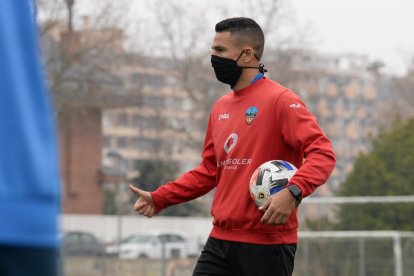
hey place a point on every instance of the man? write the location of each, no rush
(258, 121)
(29, 179)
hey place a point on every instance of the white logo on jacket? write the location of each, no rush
(231, 142)
(295, 105)
(232, 163)
(224, 116)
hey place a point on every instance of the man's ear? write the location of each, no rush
(248, 55)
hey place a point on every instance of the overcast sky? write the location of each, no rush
(382, 29)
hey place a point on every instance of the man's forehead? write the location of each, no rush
(223, 39)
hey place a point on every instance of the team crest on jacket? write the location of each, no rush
(251, 113)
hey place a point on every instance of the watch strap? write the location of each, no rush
(296, 192)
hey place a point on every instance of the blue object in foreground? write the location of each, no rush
(29, 173)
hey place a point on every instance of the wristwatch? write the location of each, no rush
(296, 192)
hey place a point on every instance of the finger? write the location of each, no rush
(272, 219)
(267, 215)
(139, 205)
(143, 210)
(282, 219)
(144, 195)
(148, 211)
(265, 205)
(135, 190)
(153, 212)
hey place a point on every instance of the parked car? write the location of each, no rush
(80, 243)
(149, 244)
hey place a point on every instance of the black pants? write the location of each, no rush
(244, 259)
(28, 261)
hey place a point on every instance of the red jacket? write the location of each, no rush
(280, 128)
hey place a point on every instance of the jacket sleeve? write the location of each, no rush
(302, 132)
(191, 184)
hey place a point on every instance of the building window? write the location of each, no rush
(107, 141)
(155, 101)
(187, 105)
(122, 142)
(122, 119)
(107, 120)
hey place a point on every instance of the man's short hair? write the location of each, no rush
(245, 31)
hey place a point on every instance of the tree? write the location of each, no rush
(386, 170)
(81, 54)
(154, 173)
(404, 97)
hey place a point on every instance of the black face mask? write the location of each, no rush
(227, 70)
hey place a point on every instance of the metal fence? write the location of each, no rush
(319, 253)
(361, 253)
(327, 253)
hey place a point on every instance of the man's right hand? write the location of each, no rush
(144, 204)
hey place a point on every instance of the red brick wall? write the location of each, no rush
(80, 142)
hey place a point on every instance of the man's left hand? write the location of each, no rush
(278, 207)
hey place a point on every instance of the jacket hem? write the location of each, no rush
(254, 237)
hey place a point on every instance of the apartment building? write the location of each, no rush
(346, 94)
(161, 128)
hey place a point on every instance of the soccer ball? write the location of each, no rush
(269, 178)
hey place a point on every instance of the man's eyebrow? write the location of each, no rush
(218, 47)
